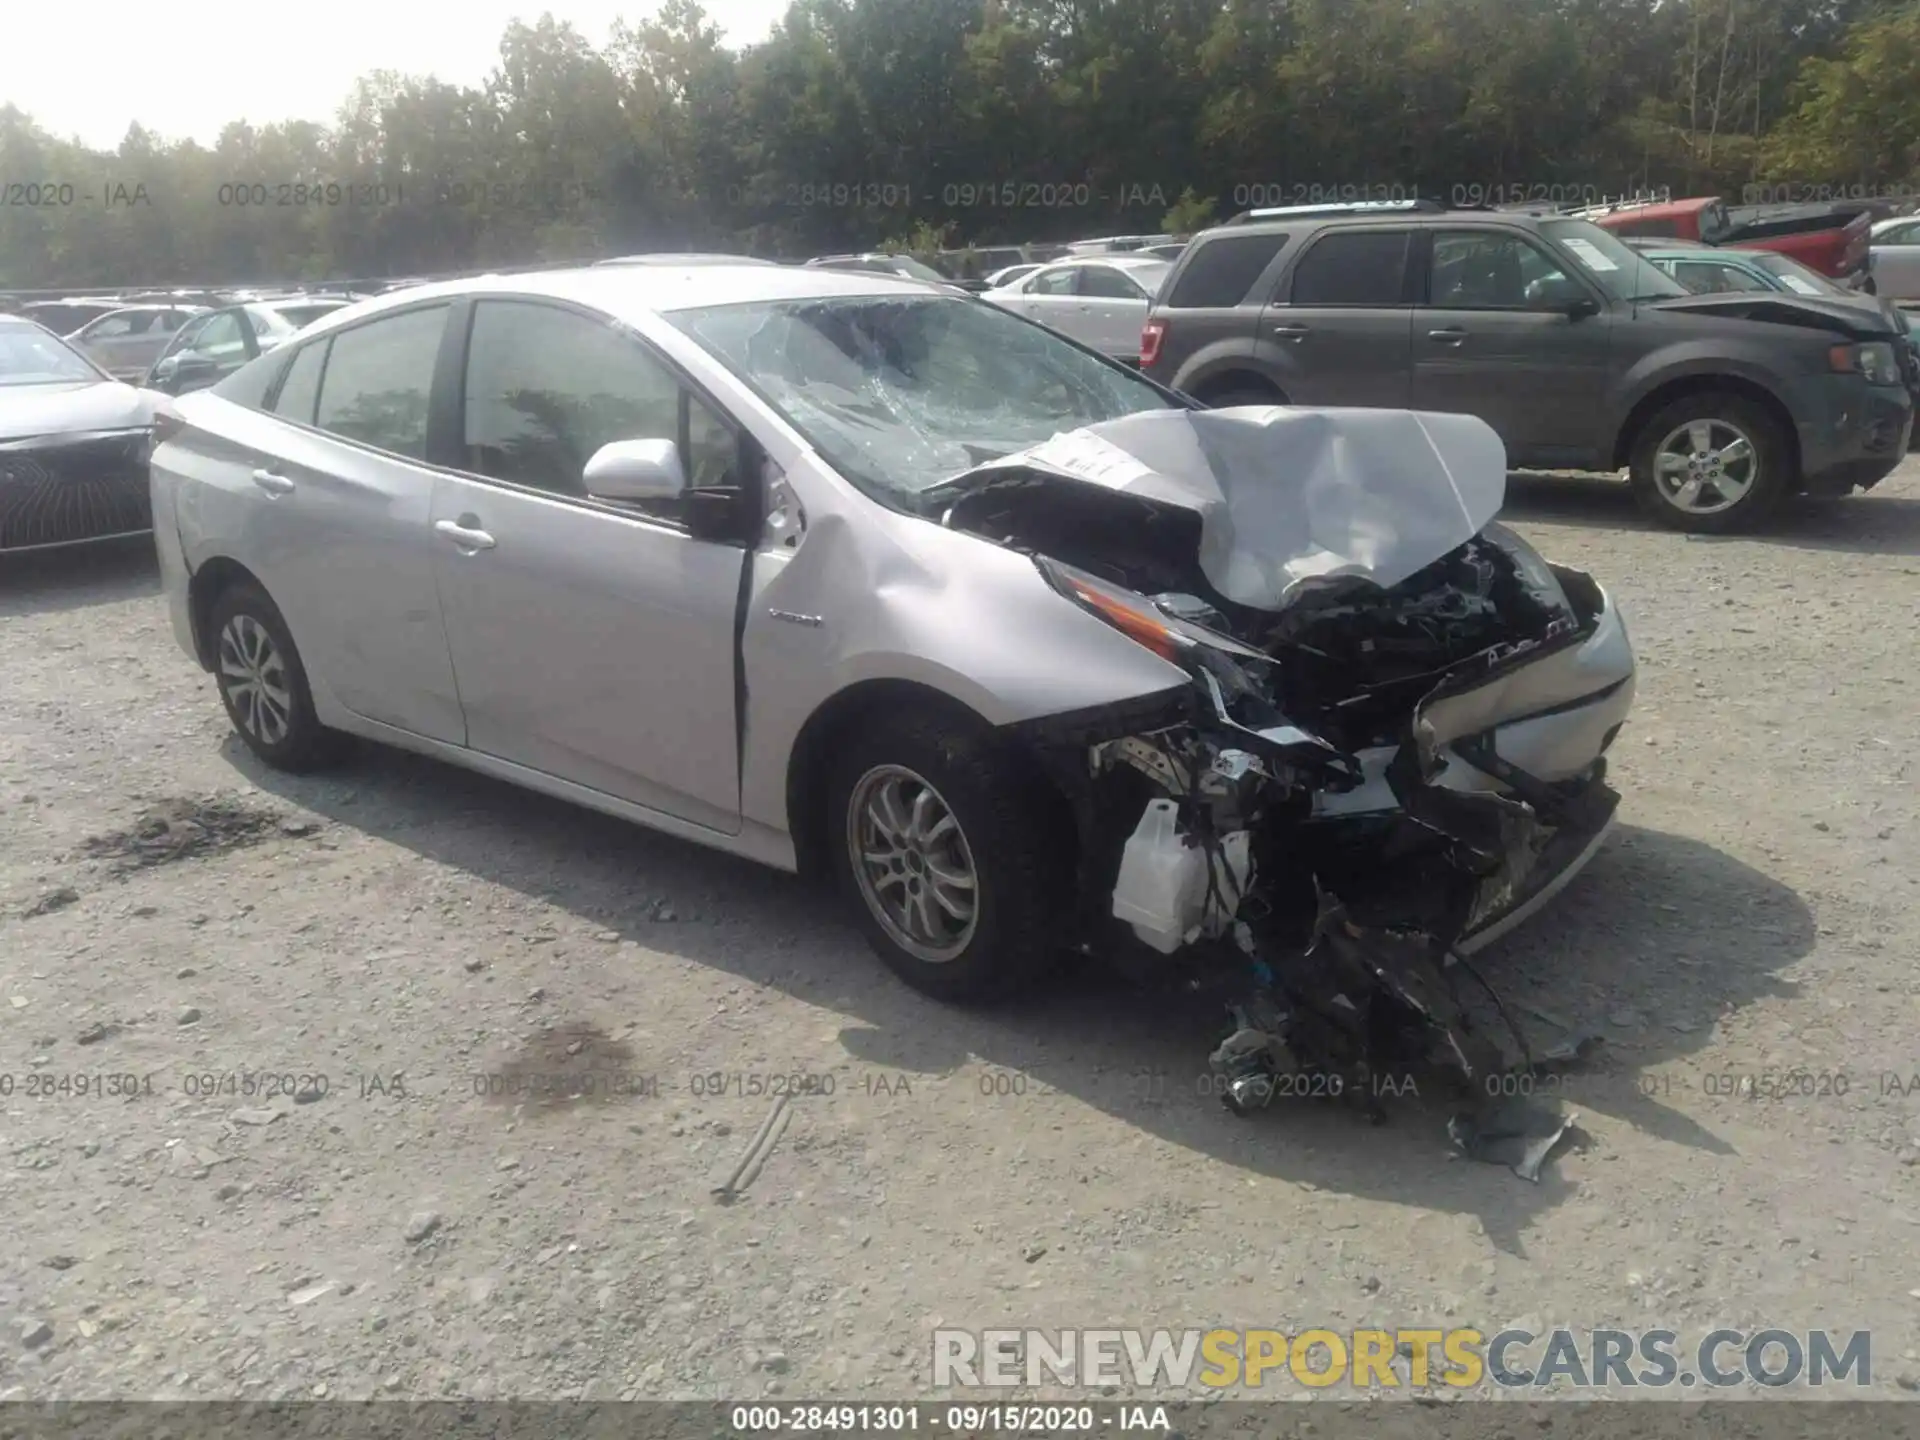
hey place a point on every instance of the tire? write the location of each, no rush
(1005, 836)
(1764, 469)
(1244, 395)
(263, 683)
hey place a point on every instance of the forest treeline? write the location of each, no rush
(918, 123)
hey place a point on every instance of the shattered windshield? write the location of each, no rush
(1619, 269)
(902, 392)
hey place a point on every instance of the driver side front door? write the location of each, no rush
(592, 641)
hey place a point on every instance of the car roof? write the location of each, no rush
(1695, 252)
(1122, 260)
(1386, 213)
(156, 305)
(687, 258)
(650, 289)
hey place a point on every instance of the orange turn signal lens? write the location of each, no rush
(1132, 623)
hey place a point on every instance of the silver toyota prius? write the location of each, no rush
(861, 577)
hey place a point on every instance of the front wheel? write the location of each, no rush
(1711, 463)
(951, 855)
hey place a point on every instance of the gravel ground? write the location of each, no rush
(426, 946)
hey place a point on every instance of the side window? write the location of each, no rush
(1353, 267)
(1901, 235)
(189, 333)
(168, 321)
(1053, 282)
(546, 388)
(120, 326)
(300, 391)
(1221, 272)
(1651, 229)
(222, 332)
(1487, 270)
(1106, 283)
(1701, 277)
(378, 379)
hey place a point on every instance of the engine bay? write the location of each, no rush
(1300, 831)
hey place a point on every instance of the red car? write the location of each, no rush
(1829, 238)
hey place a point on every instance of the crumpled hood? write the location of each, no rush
(1290, 498)
(1840, 314)
(28, 411)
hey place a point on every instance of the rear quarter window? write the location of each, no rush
(249, 384)
(1221, 271)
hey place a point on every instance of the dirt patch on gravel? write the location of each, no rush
(565, 1065)
(180, 829)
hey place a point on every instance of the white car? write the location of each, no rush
(1000, 279)
(1101, 302)
(1896, 258)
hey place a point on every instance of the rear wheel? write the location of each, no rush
(1711, 463)
(264, 685)
(951, 856)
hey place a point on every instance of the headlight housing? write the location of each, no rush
(1534, 571)
(1874, 362)
(1137, 617)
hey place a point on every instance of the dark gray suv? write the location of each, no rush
(1578, 352)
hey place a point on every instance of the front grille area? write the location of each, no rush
(59, 493)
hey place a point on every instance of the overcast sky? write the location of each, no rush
(88, 68)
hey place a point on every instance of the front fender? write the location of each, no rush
(891, 597)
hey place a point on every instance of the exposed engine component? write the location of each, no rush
(1171, 889)
(1326, 813)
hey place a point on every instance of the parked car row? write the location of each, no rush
(76, 410)
(215, 343)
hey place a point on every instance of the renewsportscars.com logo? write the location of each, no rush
(1417, 1359)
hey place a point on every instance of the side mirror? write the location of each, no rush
(1556, 292)
(636, 470)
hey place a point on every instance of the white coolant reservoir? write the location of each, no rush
(1162, 889)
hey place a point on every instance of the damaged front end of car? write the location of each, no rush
(1369, 774)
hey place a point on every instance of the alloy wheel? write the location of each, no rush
(1706, 467)
(253, 674)
(912, 863)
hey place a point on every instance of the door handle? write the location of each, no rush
(467, 538)
(1295, 333)
(271, 483)
(1449, 336)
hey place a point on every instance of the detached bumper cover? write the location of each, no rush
(61, 490)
